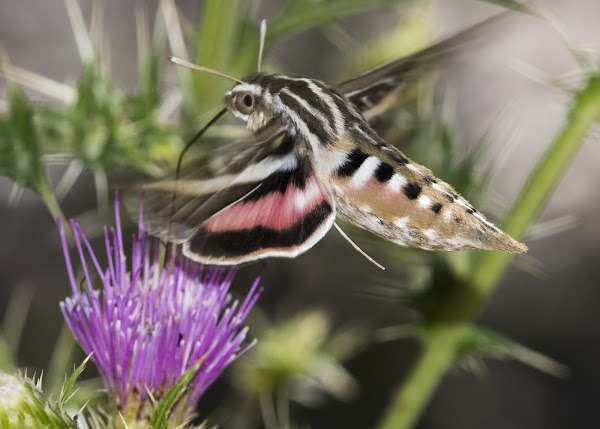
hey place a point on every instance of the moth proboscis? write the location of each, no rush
(313, 156)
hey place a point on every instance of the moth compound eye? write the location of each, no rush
(244, 102)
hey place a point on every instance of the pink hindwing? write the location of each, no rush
(284, 215)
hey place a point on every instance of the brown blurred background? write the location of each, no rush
(551, 306)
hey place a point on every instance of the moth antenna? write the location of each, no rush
(192, 66)
(349, 240)
(263, 32)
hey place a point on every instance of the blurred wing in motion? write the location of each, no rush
(266, 201)
(377, 90)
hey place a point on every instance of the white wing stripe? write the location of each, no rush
(365, 172)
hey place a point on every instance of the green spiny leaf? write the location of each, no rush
(68, 388)
(481, 342)
(514, 5)
(163, 407)
(216, 44)
(6, 355)
(20, 151)
(22, 404)
(301, 15)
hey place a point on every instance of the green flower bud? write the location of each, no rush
(23, 405)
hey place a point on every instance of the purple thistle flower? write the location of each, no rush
(150, 322)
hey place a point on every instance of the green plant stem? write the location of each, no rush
(443, 339)
(584, 114)
(61, 360)
(216, 42)
(50, 201)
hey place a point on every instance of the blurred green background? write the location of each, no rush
(335, 334)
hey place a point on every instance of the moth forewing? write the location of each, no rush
(376, 91)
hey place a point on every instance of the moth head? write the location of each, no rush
(247, 102)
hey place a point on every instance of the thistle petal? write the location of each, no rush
(148, 323)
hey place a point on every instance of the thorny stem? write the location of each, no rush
(442, 340)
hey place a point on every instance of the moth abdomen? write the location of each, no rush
(405, 203)
(384, 172)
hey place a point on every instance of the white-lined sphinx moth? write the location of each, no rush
(313, 156)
